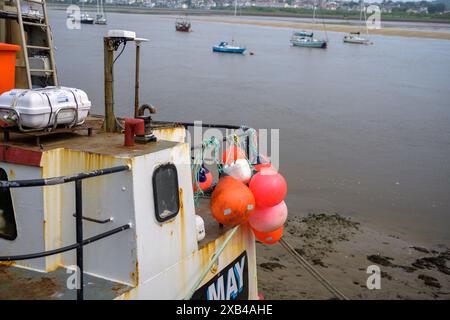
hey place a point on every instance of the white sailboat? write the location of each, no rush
(356, 37)
(100, 18)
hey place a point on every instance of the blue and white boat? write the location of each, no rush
(228, 48)
(225, 47)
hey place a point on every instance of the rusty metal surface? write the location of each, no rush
(100, 142)
(22, 284)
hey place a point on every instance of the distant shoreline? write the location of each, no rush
(222, 12)
(203, 16)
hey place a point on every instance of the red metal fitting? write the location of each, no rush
(133, 127)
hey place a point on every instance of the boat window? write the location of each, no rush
(8, 229)
(165, 192)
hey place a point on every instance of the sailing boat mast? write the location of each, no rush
(363, 7)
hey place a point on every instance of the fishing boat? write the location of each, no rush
(86, 18)
(103, 207)
(356, 37)
(183, 24)
(225, 47)
(306, 39)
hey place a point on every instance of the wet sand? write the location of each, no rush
(341, 250)
(335, 28)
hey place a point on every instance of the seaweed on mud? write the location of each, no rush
(272, 265)
(386, 262)
(381, 260)
(439, 262)
(429, 281)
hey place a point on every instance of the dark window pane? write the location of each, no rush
(165, 192)
(8, 228)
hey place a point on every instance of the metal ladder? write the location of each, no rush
(42, 24)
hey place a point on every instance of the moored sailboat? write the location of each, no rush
(357, 37)
(306, 39)
(100, 18)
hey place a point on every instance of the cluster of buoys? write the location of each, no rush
(261, 203)
(269, 189)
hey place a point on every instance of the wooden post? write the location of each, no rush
(110, 120)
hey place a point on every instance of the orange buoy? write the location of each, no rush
(7, 65)
(205, 179)
(232, 202)
(269, 219)
(230, 155)
(269, 237)
(269, 188)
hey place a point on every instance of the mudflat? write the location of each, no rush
(341, 250)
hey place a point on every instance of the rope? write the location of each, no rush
(211, 263)
(308, 267)
(198, 162)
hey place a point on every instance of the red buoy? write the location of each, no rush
(269, 237)
(269, 188)
(232, 202)
(269, 219)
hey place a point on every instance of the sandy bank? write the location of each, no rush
(335, 28)
(342, 250)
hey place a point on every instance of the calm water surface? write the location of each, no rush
(364, 130)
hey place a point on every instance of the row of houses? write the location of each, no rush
(386, 6)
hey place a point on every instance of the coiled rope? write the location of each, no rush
(308, 267)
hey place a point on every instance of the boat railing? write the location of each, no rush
(80, 242)
(244, 134)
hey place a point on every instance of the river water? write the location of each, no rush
(364, 130)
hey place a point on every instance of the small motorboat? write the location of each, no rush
(228, 48)
(356, 38)
(86, 19)
(302, 39)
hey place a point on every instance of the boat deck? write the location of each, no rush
(93, 140)
(23, 284)
(212, 228)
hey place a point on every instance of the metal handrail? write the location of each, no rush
(80, 242)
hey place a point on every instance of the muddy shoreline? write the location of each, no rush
(342, 249)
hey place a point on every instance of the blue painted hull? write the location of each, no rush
(228, 50)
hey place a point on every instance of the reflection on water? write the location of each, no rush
(364, 130)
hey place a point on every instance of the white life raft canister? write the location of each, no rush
(40, 108)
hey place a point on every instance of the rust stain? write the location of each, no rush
(182, 223)
(7, 263)
(137, 273)
(134, 275)
(11, 174)
(27, 288)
